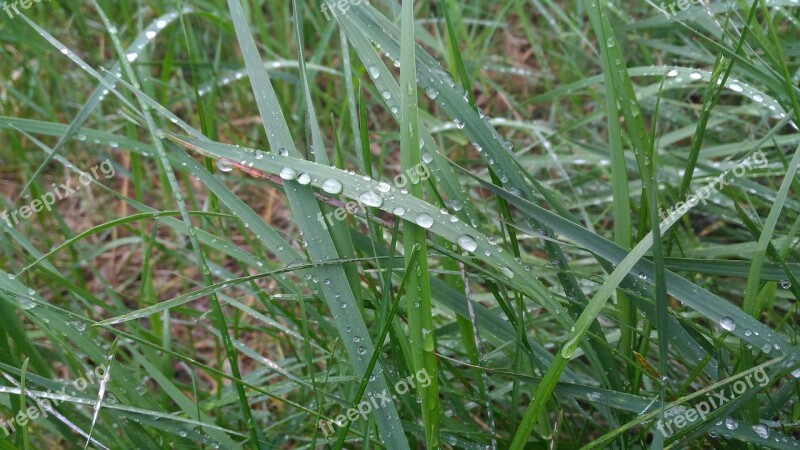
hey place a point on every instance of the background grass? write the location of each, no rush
(526, 273)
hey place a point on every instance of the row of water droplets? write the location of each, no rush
(380, 194)
(675, 76)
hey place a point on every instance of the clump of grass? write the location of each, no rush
(523, 293)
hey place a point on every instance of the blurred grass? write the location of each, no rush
(519, 276)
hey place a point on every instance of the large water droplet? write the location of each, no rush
(304, 178)
(223, 166)
(288, 174)
(374, 72)
(371, 198)
(761, 430)
(731, 424)
(399, 211)
(727, 324)
(424, 220)
(332, 186)
(467, 242)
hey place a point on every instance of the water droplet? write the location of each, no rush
(289, 174)
(507, 272)
(384, 187)
(223, 165)
(399, 211)
(672, 73)
(735, 87)
(374, 72)
(786, 284)
(371, 198)
(332, 186)
(259, 155)
(113, 144)
(727, 324)
(150, 34)
(761, 430)
(731, 424)
(424, 220)
(431, 93)
(131, 57)
(796, 373)
(467, 242)
(304, 179)
(696, 76)
(459, 124)
(362, 350)
(758, 98)
(427, 158)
